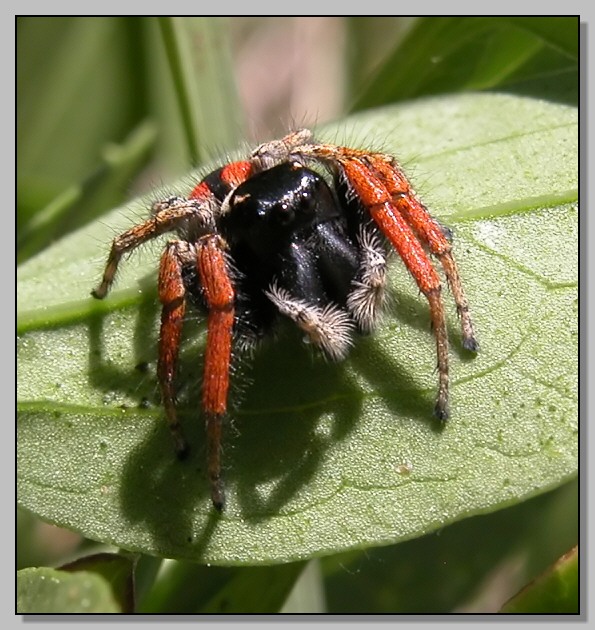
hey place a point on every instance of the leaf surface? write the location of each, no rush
(45, 590)
(321, 457)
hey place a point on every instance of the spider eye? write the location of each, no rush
(306, 203)
(282, 214)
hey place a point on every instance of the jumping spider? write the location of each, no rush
(268, 236)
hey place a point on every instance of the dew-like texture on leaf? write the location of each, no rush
(323, 457)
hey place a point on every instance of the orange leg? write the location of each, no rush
(219, 296)
(418, 217)
(383, 188)
(167, 216)
(377, 199)
(383, 168)
(172, 295)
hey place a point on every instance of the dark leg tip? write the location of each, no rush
(217, 494)
(97, 295)
(470, 343)
(447, 232)
(441, 411)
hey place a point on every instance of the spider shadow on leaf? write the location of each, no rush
(295, 409)
(157, 492)
(271, 448)
(169, 498)
(104, 374)
(288, 411)
(300, 406)
(278, 397)
(384, 363)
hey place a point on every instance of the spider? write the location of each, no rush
(269, 237)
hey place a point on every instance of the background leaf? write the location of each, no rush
(203, 89)
(534, 56)
(116, 569)
(331, 457)
(255, 590)
(554, 592)
(46, 590)
(101, 94)
(79, 93)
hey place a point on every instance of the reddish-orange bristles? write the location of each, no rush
(236, 173)
(201, 191)
(230, 175)
(376, 198)
(431, 234)
(172, 296)
(414, 212)
(219, 296)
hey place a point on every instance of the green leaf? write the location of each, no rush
(554, 592)
(184, 587)
(80, 86)
(189, 588)
(179, 60)
(255, 590)
(115, 569)
(47, 590)
(195, 96)
(535, 56)
(89, 198)
(557, 32)
(321, 457)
